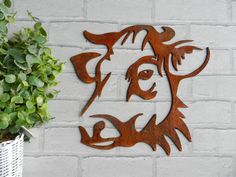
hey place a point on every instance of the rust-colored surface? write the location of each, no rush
(164, 56)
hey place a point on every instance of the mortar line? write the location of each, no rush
(229, 11)
(153, 10)
(154, 166)
(85, 6)
(79, 170)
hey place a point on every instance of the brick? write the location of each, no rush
(234, 11)
(220, 62)
(71, 33)
(214, 35)
(208, 112)
(227, 164)
(72, 88)
(214, 87)
(67, 140)
(204, 87)
(205, 140)
(234, 63)
(215, 140)
(62, 140)
(226, 141)
(193, 166)
(185, 89)
(121, 10)
(225, 87)
(64, 110)
(117, 167)
(50, 8)
(207, 10)
(50, 166)
(64, 54)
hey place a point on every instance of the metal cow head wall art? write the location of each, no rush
(165, 56)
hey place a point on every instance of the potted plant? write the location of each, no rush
(28, 73)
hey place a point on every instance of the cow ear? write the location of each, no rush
(80, 62)
(178, 54)
(167, 34)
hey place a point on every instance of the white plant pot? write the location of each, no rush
(11, 157)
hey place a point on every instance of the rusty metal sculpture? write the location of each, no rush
(164, 56)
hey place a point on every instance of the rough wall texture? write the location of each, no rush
(211, 96)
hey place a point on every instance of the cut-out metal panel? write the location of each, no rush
(165, 56)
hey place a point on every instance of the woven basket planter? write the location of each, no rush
(11, 157)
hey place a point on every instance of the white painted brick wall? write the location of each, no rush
(211, 96)
(117, 166)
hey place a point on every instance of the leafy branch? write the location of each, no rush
(28, 72)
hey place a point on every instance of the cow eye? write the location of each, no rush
(145, 74)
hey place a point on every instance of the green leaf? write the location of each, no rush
(31, 110)
(1, 16)
(17, 99)
(11, 19)
(29, 104)
(39, 100)
(26, 94)
(3, 51)
(3, 27)
(43, 32)
(3, 124)
(7, 3)
(22, 76)
(31, 59)
(3, 9)
(28, 120)
(3, 105)
(40, 39)
(1, 90)
(8, 110)
(20, 65)
(32, 49)
(4, 121)
(13, 116)
(11, 78)
(25, 83)
(20, 115)
(6, 87)
(43, 109)
(14, 130)
(37, 25)
(33, 80)
(19, 87)
(15, 53)
(4, 97)
(21, 119)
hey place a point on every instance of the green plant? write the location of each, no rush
(27, 74)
